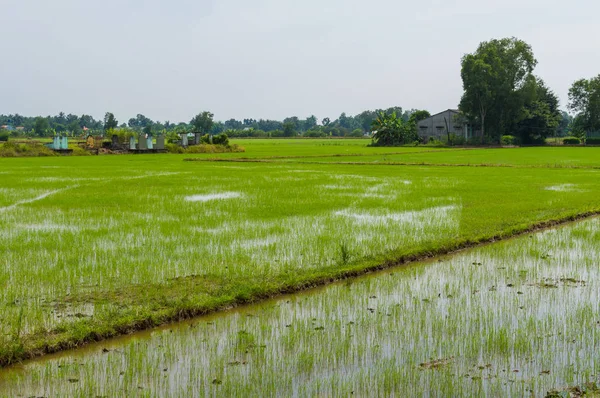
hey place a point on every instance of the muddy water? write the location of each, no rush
(516, 318)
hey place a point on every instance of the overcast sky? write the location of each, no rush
(170, 59)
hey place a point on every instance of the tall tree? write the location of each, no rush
(292, 120)
(493, 77)
(139, 122)
(541, 116)
(41, 126)
(289, 129)
(110, 122)
(584, 99)
(202, 123)
(310, 123)
(365, 119)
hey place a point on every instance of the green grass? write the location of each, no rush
(552, 157)
(99, 246)
(516, 318)
(262, 148)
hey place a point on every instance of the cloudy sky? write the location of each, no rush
(170, 59)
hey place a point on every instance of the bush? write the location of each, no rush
(207, 148)
(571, 141)
(457, 139)
(508, 140)
(314, 134)
(124, 134)
(435, 143)
(33, 148)
(78, 151)
(357, 133)
(477, 141)
(174, 148)
(221, 139)
(4, 135)
(593, 141)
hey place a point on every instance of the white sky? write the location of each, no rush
(170, 59)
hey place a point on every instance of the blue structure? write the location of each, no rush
(59, 143)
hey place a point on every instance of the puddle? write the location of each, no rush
(213, 196)
(562, 188)
(37, 198)
(403, 217)
(49, 227)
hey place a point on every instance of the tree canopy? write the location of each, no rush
(496, 79)
(584, 99)
(202, 123)
(110, 123)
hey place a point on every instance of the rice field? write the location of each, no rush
(547, 157)
(515, 318)
(96, 247)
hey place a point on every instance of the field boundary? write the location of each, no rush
(37, 345)
(277, 160)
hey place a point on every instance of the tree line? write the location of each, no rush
(343, 126)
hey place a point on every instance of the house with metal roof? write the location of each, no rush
(441, 124)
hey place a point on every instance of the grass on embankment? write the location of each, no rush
(101, 246)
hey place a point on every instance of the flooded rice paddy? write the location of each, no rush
(515, 318)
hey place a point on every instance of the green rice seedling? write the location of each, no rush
(431, 328)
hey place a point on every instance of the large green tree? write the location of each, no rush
(139, 122)
(289, 129)
(494, 77)
(540, 115)
(584, 99)
(110, 122)
(202, 123)
(41, 127)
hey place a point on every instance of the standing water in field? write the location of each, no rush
(514, 318)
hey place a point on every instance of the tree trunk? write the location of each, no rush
(482, 126)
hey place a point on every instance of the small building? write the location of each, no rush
(439, 125)
(7, 127)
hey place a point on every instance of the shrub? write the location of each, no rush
(78, 151)
(571, 141)
(477, 141)
(174, 148)
(172, 137)
(508, 140)
(435, 143)
(457, 139)
(124, 134)
(8, 150)
(593, 141)
(4, 135)
(221, 139)
(357, 133)
(32, 148)
(315, 134)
